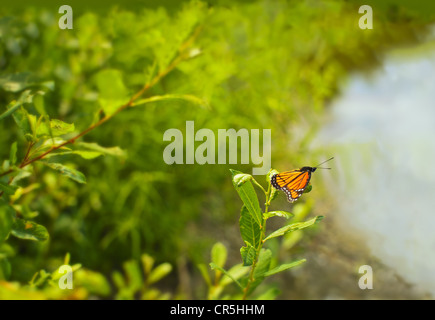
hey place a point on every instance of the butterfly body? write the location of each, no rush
(293, 182)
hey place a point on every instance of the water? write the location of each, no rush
(382, 133)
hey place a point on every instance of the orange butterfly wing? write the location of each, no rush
(293, 183)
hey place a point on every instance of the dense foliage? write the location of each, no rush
(106, 200)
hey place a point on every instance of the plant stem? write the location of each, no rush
(260, 245)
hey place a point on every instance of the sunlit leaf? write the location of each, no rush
(279, 213)
(159, 272)
(17, 81)
(219, 254)
(38, 102)
(57, 128)
(113, 151)
(96, 283)
(147, 263)
(112, 91)
(284, 267)
(293, 227)
(134, 274)
(190, 98)
(67, 171)
(82, 153)
(247, 194)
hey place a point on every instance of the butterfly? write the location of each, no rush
(294, 182)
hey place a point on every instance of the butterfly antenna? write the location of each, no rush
(323, 163)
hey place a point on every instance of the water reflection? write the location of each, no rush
(382, 133)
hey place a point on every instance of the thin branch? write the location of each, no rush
(177, 60)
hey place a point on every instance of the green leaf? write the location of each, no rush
(29, 230)
(6, 250)
(112, 91)
(66, 171)
(38, 102)
(118, 279)
(293, 227)
(13, 154)
(11, 108)
(247, 194)
(48, 144)
(19, 175)
(284, 266)
(263, 263)
(67, 258)
(214, 266)
(241, 178)
(308, 188)
(159, 272)
(92, 281)
(56, 275)
(280, 213)
(248, 254)
(24, 209)
(7, 216)
(26, 122)
(219, 254)
(57, 128)
(273, 191)
(7, 188)
(187, 97)
(112, 151)
(17, 81)
(249, 228)
(147, 263)
(82, 153)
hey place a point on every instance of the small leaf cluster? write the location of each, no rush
(135, 282)
(256, 263)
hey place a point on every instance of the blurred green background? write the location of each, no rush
(262, 65)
